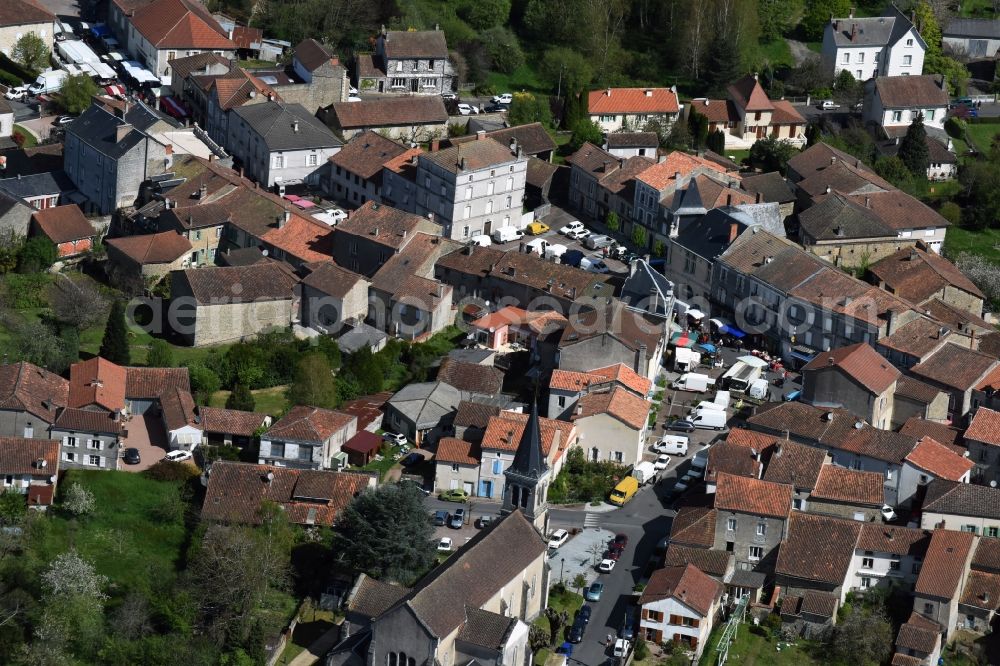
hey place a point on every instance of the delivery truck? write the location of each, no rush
(738, 377)
(624, 491)
(693, 381)
(48, 82)
(758, 389)
(722, 399)
(644, 473)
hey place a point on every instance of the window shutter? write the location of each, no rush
(695, 622)
(645, 613)
(694, 642)
(675, 619)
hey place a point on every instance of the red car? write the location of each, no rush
(621, 539)
(613, 554)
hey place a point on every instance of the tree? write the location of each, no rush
(613, 222)
(722, 62)
(641, 649)
(527, 108)
(984, 274)
(951, 211)
(981, 182)
(771, 154)
(894, 170)
(557, 620)
(77, 302)
(639, 236)
(160, 354)
(484, 14)
(716, 142)
(204, 382)
(114, 344)
(913, 149)
(565, 70)
(698, 128)
(36, 255)
(579, 582)
(78, 500)
(76, 93)
(847, 89)
(385, 532)
(586, 131)
(312, 383)
(862, 637)
(777, 17)
(503, 48)
(12, 507)
(36, 343)
(927, 25)
(31, 52)
(818, 13)
(241, 398)
(69, 575)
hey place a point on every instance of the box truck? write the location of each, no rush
(675, 445)
(686, 360)
(738, 377)
(48, 82)
(693, 381)
(644, 473)
(758, 389)
(624, 491)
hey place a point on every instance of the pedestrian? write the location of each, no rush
(610, 638)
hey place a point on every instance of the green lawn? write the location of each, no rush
(562, 601)
(121, 537)
(775, 53)
(270, 400)
(29, 139)
(749, 649)
(981, 134)
(985, 242)
(385, 464)
(522, 79)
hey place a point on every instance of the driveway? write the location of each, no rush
(146, 433)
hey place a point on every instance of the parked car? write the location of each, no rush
(597, 266)
(493, 108)
(680, 425)
(558, 538)
(612, 554)
(827, 105)
(467, 109)
(621, 647)
(482, 240)
(597, 241)
(503, 98)
(593, 592)
(662, 462)
(178, 456)
(132, 456)
(536, 228)
(449, 95)
(888, 513)
(576, 632)
(792, 395)
(444, 545)
(628, 625)
(63, 120)
(338, 215)
(484, 522)
(584, 613)
(17, 92)
(394, 438)
(578, 234)
(572, 226)
(621, 539)
(457, 521)
(440, 518)
(566, 648)
(607, 565)
(454, 495)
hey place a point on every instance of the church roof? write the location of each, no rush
(529, 461)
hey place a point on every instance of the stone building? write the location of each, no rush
(407, 61)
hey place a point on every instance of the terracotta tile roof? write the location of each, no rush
(694, 526)
(785, 114)
(471, 156)
(453, 450)
(894, 540)
(541, 322)
(503, 433)
(916, 338)
(151, 382)
(630, 327)
(731, 459)
(991, 381)
(625, 376)
(919, 634)
(177, 406)
(984, 427)
(842, 294)
(309, 424)
(632, 100)
(844, 176)
(97, 382)
(687, 584)
(900, 211)
(198, 63)
(231, 421)
(19, 456)
(918, 428)
(384, 225)
(962, 499)
(89, 420)
(539, 274)
(818, 548)
(716, 110)
(391, 112)
(475, 414)
(268, 281)
(471, 377)
(860, 362)
(753, 496)
(713, 562)
(180, 23)
(795, 464)
(748, 93)
(957, 319)
(23, 12)
(750, 438)
(849, 486)
(237, 87)
(303, 238)
(906, 92)
(160, 248)
(331, 279)
(62, 224)
(236, 491)
(486, 629)
(26, 387)
(312, 54)
(937, 459)
(944, 564)
(594, 160)
(914, 389)
(619, 403)
(245, 37)
(363, 443)
(663, 174)
(982, 590)
(366, 154)
(819, 156)
(568, 380)
(837, 218)
(987, 555)
(918, 275)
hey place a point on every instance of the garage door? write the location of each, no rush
(467, 486)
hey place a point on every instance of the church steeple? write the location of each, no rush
(527, 477)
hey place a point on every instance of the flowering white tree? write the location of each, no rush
(78, 500)
(70, 575)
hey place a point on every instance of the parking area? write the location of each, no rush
(145, 433)
(580, 556)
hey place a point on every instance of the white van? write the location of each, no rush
(676, 445)
(507, 234)
(709, 419)
(555, 251)
(537, 246)
(704, 406)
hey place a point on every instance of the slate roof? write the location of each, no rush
(955, 367)
(98, 128)
(984, 427)
(231, 421)
(89, 420)
(849, 486)
(894, 540)
(871, 31)
(20, 456)
(532, 138)
(268, 281)
(179, 23)
(752, 496)
(426, 403)
(366, 153)
(471, 156)
(911, 92)
(618, 403)
(236, 491)
(944, 564)
(309, 424)
(795, 464)
(861, 363)
(632, 140)
(632, 100)
(818, 548)
(415, 44)
(29, 388)
(283, 126)
(917, 275)
(475, 574)
(23, 12)
(694, 526)
(486, 629)
(471, 377)
(771, 186)
(970, 27)
(160, 248)
(391, 112)
(962, 499)
(62, 224)
(713, 562)
(687, 584)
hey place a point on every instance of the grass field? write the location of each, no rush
(269, 401)
(751, 649)
(981, 134)
(985, 242)
(562, 601)
(29, 139)
(522, 79)
(775, 53)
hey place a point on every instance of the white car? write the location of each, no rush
(606, 566)
(353, 98)
(449, 95)
(444, 545)
(577, 234)
(575, 225)
(16, 92)
(337, 215)
(503, 98)
(662, 462)
(467, 110)
(352, 90)
(178, 456)
(555, 251)
(482, 240)
(828, 105)
(394, 438)
(621, 647)
(558, 538)
(888, 513)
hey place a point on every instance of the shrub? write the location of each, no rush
(955, 127)
(503, 48)
(167, 470)
(951, 211)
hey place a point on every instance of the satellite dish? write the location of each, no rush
(993, 484)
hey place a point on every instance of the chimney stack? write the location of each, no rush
(854, 31)
(734, 231)
(480, 135)
(435, 145)
(121, 132)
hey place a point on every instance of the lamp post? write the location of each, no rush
(562, 561)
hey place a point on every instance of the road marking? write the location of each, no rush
(592, 520)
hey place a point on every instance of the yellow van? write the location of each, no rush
(624, 491)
